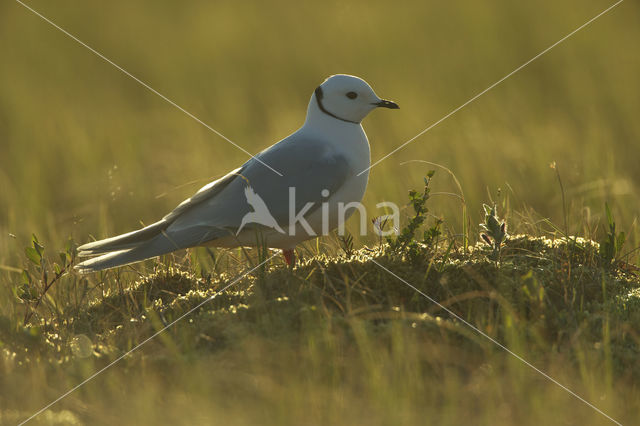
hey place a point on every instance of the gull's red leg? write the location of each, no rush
(289, 257)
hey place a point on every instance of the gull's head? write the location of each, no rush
(348, 98)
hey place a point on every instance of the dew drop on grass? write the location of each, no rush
(81, 346)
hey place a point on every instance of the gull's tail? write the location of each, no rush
(156, 246)
(124, 249)
(124, 241)
(152, 241)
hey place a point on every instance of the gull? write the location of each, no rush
(319, 167)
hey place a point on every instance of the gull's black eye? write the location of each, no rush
(352, 95)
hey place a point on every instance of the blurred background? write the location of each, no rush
(85, 150)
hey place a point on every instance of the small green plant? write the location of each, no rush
(494, 231)
(38, 279)
(380, 224)
(405, 241)
(346, 243)
(611, 244)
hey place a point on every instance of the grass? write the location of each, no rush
(337, 339)
(86, 151)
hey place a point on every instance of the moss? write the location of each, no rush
(549, 291)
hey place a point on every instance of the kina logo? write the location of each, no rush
(260, 214)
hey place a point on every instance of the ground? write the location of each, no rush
(338, 340)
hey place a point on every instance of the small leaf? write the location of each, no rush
(36, 244)
(15, 290)
(493, 224)
(25, 292)
(620, 241)
(33, 255)
(608, 212)
(26, 277)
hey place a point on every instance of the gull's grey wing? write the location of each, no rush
(309, 166)
(206, 192)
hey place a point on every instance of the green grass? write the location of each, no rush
(86, 151)
(339, 340)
